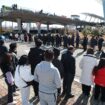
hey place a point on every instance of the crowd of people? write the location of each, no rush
(42, 70)
(57, 40)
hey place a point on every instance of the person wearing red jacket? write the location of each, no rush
(99, 80)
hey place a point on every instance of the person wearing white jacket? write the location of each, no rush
(22, 76)
(87, 64)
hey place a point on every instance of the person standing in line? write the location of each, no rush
(99, 80)
(7, 72)
(22, 77)
(93, 42)
(13, 52)
(57, 63)
(72, 39)
(87, 63)
(3, 50)
(65, 41)
(68, 62)
(49, 80)
(36, 55)
(77, 39)
(85, 43)
(100, 42)
(5, 65)
(14, 61)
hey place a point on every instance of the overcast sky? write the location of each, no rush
(59, 7)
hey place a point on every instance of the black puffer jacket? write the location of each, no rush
(68, 62)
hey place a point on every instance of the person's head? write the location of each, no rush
(38, 42)
(56, 52)
(102, 61)
(90, 51)
(70, 49)
(1, 42)
(7, 58)
(49, 54)
(13, 47)
(23, 60)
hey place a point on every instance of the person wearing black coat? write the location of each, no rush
(100, 42)
(3, 51)
(7, 69)
(65, 41)
(77, 40)
(93, 42)
(35, 56)
(85, 43)
(72, 39)
(14, 60)
(57, 63)
(69, 72)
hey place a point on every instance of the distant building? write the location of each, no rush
(75, 17)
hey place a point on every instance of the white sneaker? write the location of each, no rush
(14, 98)
(12, 103)
(15, 94)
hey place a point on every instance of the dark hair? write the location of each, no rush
(56, 52)
(38, 42)
(49, 55)
(13, 46)
(102, 61)
(90, 51)
(70, 47)
(7, 58)
(101, 64)
(23, 60)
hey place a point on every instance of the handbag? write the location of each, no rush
(28, 83)
(9, 78)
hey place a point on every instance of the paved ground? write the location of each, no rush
(76, 90)
(23, 48)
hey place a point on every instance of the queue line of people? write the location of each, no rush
(58, 40)
(45, 76)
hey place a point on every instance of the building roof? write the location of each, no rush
(29, 16)
(94, 15)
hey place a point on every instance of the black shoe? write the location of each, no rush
(68, 96)
(63, 94)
